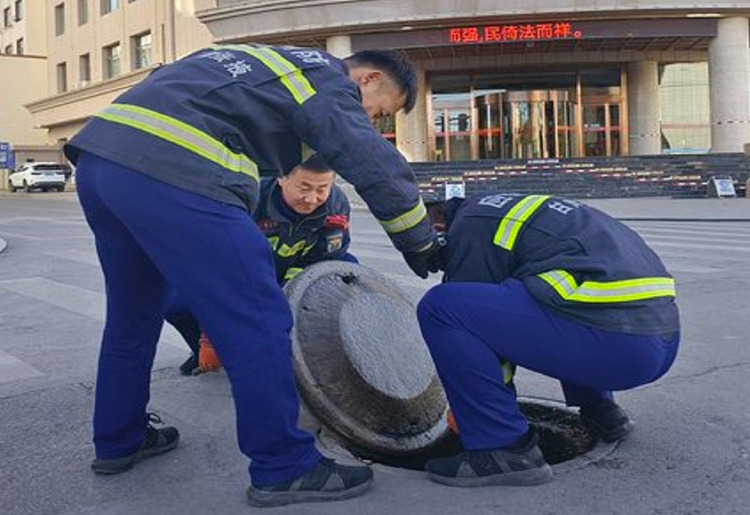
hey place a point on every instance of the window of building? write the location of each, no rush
(109, 5)
(111, 55)
(9, 49)
(19, 10)
(19, 46)
(84, 69)
(386, 126)
(685, 109)
(83, 12)
(60, 19)
(141, 49)
(6, 17)
(62, 77)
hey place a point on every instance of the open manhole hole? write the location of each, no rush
(364, 373)
(562, 438)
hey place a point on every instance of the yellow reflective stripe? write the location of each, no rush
(292, 272)
(291, 76)
(511, 224)
(406, 221)
(509, 371)
(274, 241)
(287, 251)
(181, 134)
(613, 291)
(306, 151)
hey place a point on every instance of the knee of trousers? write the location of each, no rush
(434, 306)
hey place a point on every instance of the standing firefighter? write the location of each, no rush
(167, 176)
(554, 286)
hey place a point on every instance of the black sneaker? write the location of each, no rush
(606, 420)
(524, 466)
(189, 365)
(328, 481)
(158, 441)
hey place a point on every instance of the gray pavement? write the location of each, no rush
(690, 453)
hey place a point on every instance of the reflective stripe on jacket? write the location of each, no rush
(573, 258)
(215, 121)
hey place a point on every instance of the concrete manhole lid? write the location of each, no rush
(360, 362)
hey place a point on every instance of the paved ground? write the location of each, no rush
(689, 455)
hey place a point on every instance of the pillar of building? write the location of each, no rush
(644, 108)
(729, 78)
(411, 129)
(339, 46)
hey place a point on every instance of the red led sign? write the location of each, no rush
(510, 33)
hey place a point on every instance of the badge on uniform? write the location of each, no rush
(268, 227)
(334, 241)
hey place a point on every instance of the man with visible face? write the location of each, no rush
(305, 217)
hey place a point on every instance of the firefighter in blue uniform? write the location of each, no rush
(305, 217)
(167, 176)
(554, 286)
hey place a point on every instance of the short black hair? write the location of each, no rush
(315, 163)
(443, 212)
(396, 65)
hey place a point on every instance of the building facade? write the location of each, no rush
(100, 48)
(537, 79)
(23, 68)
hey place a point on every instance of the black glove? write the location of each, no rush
(428, 259)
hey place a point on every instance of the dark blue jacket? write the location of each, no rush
(306, 239)
(573, 258)
(214, 121)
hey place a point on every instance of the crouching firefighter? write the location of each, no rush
(305, 217)
(554, 286)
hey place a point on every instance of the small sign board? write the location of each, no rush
(5, 155)
(455, 189)
(721, 187)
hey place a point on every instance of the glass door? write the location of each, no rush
(601, 127)
(489, 109)
(528, 115)
(453, 127)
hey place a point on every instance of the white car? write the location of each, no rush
(43, 176)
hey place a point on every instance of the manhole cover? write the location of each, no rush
(360, 361)
(366, 375)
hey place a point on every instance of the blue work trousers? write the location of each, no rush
(151, 236)
(179, 316)
(469, 327)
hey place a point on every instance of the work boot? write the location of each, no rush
(328, 481)
(189, 365)
(606, 420)
(519, 466)
(158, 441)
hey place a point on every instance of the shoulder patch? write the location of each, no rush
(496, 201)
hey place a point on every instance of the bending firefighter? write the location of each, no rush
(167, 177)
(553, 286)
